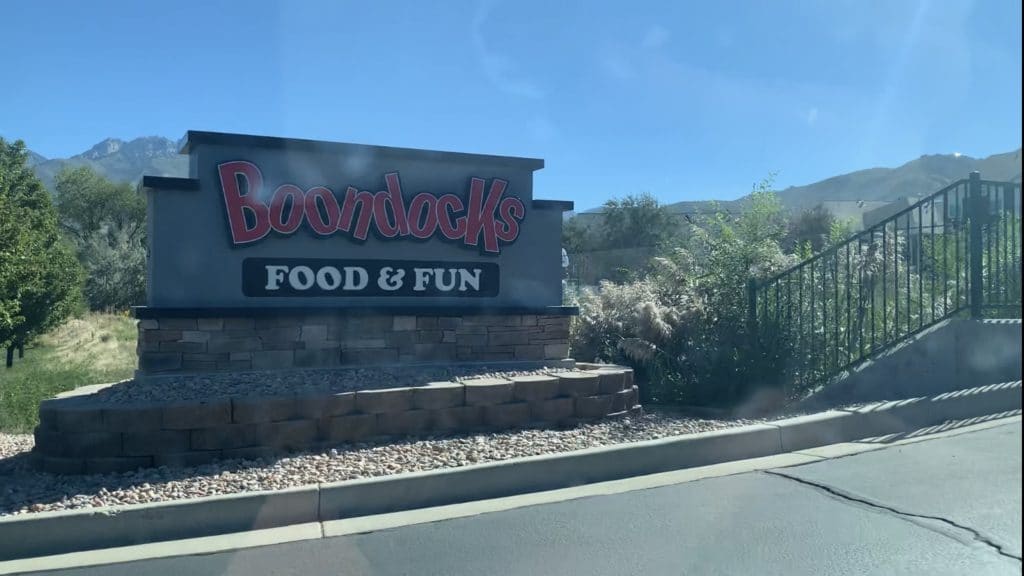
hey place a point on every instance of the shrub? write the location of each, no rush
(684, 326)
(115, 265)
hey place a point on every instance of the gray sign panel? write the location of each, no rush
(272, 222)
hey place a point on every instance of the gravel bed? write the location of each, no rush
(23, 490)
(209, 386)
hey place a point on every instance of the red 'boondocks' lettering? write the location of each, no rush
(382, 216)
(295, 207)
(364, 201)
(317, 198)
(423, 215)
(451, 228)
(480, 214)
(485, 218)
(239, 204)
(394, 186)
(511, 211)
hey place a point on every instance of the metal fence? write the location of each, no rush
(957, 251)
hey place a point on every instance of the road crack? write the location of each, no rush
(976, 535)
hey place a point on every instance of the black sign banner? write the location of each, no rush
(303, 277)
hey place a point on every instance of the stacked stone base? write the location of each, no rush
(171, 345)
(77, 435)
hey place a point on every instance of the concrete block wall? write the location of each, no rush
(79, 435)
(952, 355)
(188, 345)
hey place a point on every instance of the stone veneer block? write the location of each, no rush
(202, 414)
(621, 400)
(553, 411)
(209, 324)
(406, 423)
(178, 324)
(250, 453)
(577, 383)
(437, 395)
(160, 361)
(91, 444)
(534, 387)
(457, 418)
(487, 391)
(633, 396)
(593, 407)
(291, 434)
(351, 428)
(225, 437)
(80, 419)
(402, 323)
(59, 464)
(556, 351)
(610, 381)
(510, 415)
(187, 459)
(147, 443)
(266, 409)
(313, 405)
(271, 359)
(117, 464)
(384, 400)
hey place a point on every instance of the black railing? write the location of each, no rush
(955, 251)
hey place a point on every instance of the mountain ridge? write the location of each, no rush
(128, 160)
(118, 160)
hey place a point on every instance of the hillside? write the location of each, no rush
(915, 178)
(119, 160)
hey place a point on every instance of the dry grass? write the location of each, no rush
(90, 350)
(103, 341)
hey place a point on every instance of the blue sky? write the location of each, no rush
(686, 100)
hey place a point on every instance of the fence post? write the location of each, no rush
(975, 247)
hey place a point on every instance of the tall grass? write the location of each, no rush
(90, 350)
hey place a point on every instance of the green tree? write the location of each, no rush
(115, 267)
(811, 227)
(619, 242)
(12, 256)
(39, 276)
(637, 221)
(106, 222)
(88, 203)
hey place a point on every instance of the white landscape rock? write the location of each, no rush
(24, 490)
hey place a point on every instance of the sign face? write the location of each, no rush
(299, 223)
(318, 277)
(485, 219)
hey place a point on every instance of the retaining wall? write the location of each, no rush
(77, 434)
(954, 354)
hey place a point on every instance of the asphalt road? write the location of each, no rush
(944, 506)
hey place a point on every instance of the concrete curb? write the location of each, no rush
(61, 532)
(58, 532)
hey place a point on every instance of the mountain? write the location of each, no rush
(35, 159)
(916, 178)
(119, 160)
(128, 161)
